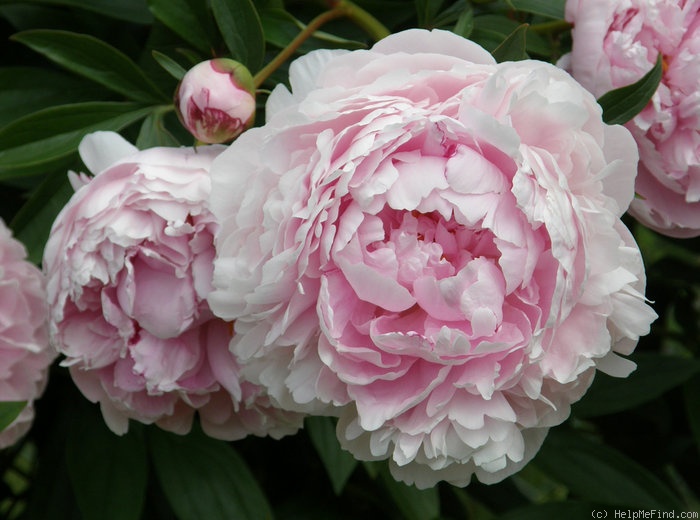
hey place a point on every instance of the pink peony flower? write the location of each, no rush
(614, 44)
(25, 354)
(215, 100)
(129, 265)
(428, 244)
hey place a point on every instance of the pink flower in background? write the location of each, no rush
(215, 100)
(25, 354)
(614, 44)
(428, 244)
(129, 266)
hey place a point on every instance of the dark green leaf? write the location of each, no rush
(548, 8)
(56, 120)
(33, 222)
(280, 28)
(465, 23)
(596, 472)
(571, 510)
(490, 31)
(109, 474)
(93, 59)
(206, 479)
(655, 374)
(173, 68)
(241, 29)
(42, 155)
(426, 11)
(130, 10)
(188, 18)
(413, 503)
(622, 104)
(24, 90)
(339, 464)
(154, 133)
(9, 410)
(513, 47)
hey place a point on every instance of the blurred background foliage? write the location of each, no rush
(69, 67)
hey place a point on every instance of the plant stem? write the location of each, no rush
(338, 9)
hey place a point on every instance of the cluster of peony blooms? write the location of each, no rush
(614, 44)
(419, 241)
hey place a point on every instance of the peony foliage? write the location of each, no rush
(427, 279)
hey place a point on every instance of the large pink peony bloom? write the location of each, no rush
(430, 242)
(614, 44)
(129, 265)
(25, 354)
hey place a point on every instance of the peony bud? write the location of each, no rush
(215, 100)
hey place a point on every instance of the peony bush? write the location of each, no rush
(430, 247)
(427, 277)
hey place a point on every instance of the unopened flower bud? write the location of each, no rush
(215, 100)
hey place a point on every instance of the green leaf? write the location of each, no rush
(24, 90)
(205, 479)
(465, 23)
(32, 224)
(129, 10)
(655, 375)
(9, 411)
(93, 59)
(513, 47)
(109, 474)
(413, 503)
(491, 30)
(597, 472)
(548, 8)
(173, 68)
(280, 28)
(154, 133)
(43, 155)
(188, 18)
(339, 464)
(426, 11)
(622, 104)
(242, 31)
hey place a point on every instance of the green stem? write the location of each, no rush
(338, 9)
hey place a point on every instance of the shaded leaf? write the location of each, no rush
(205, 478)
(154, 133)
(109, 473)
(655, 374)
(9, 411)
(622, 104)
(93, 59)
(413, 503)
(426, 11)
(339, 463)
(173, 68)
(548, 8)
(129, 10)
(491, 30)
(465, 23)
(40, 156)
(597, 472)
(513, 47)
(190, 19)
(241, 29)
(24, 90)
(33, 222)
